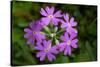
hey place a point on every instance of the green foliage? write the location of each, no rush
(25, 12)
(61, 58)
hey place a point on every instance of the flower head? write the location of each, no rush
(50, 16)
(48, 28)
(68, 42)
(45, 50)
(33, 33)
(69, 24)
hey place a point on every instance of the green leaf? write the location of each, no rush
(22, 22)
(15, 35)
(61, 59)
(90, 50)
(21, 6)
(86, 52)
(23, 54)
(92, 28)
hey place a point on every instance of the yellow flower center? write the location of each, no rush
(68, 42)
(50, 16)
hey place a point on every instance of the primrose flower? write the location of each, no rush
(33, 33)
(69, 24)
(52, 34)
(45, 50)
(68, 42)
(50, 16)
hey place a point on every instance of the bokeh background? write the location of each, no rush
(22, 13)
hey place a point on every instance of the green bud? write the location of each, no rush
(55, 29)
(56, 41)
(52, 35)
(47, 29)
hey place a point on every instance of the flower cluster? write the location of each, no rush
(53, 33)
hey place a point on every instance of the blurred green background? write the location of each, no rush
(23, 13)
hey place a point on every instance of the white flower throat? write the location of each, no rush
(68, 42)
(50, 16)
(69, 25)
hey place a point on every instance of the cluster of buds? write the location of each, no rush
(52, 34)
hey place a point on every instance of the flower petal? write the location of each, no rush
(30, 41)
(51, 57)
(47, 44)
(43, 12)
(27, 30)
(63, 38)
(73, 43)
(71, 30)
(64, 25)
(44, 43)
(67, 50)
(73, 35)
(66, 17)
(43, 55)
(72, 22)
(48, 10)
(58, 14)
(54, 50)
(39, 37)
(39, 46)
(27, 35)
(61, 47)
(52, 10)
(46, 20)
(36, 26)
(74, 30)
(39, 54)
(66, 36)
(62, 21)
(36, 36)
(55, 21)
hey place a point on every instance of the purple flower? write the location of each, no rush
(42, 35)
(69, 24)
(50, 16)
(45, 50)
(33, 33)
(68, 42)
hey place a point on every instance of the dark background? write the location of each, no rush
(22, 13)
